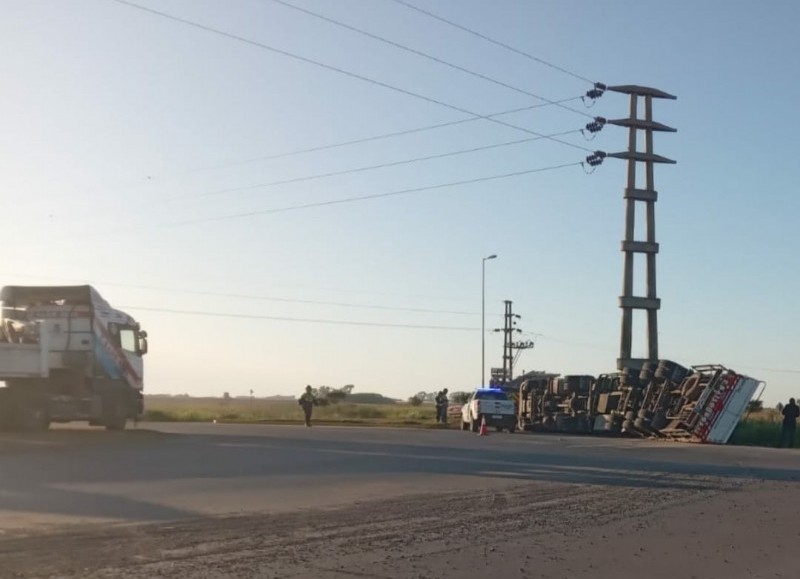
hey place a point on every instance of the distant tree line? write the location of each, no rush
(327, 395)
(421, 398)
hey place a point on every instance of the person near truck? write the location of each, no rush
(307, 401)
(441, 407)
(790, 414)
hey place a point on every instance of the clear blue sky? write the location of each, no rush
(118, 123)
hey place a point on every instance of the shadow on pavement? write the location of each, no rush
(40, 481)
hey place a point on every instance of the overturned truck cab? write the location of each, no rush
(67, 355)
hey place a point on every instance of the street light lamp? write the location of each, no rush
(483, 318)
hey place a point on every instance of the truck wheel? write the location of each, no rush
(29, 418)
(464, 425)
(115, 414)
(35, 419)
(26, 414)
(659, 421)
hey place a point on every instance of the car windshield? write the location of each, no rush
(490, 395)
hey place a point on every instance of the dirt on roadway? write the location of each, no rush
(667, 527)
(445, 505)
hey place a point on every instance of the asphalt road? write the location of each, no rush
(164, 472)
(241, 477)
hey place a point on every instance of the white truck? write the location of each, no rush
(491, 404)
(67, 355)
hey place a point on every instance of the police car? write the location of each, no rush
(492, 404)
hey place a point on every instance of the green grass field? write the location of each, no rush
(758, 429)
(159, 409)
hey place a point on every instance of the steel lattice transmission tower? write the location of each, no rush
(631, 246)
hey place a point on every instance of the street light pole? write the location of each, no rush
(483, 318)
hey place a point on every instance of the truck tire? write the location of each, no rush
(659, 421)
(35, 419)
(25, 413)
(647, 372)
(672, 372)
(464, 425)
(115, 413)
(631, 378)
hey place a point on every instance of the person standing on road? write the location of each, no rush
(441, 407)
(307, 401)
(790, 414)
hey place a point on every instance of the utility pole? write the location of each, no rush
(649, 303)
(508, 330)
(509, 327)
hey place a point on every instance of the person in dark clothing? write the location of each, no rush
(790, 414)
(307, 401)
(441, 407)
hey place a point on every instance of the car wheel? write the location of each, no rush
(476, 425)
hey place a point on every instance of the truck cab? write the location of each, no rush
(67, 355)
(492, 405)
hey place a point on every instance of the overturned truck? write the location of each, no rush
(662, 400)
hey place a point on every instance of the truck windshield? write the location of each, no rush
(490, 395)
(127, 339)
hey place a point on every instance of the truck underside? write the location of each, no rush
(34, 403)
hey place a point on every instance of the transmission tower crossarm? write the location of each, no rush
(638, 90)
(641, 157)
(642, 124)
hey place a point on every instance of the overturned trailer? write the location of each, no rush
(701, 404)
(662, 400)
(553, 403)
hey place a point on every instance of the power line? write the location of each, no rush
(493, 41)
(427, 56)
(318, 148)
(314, 302)
(373, 167)
(374, 196)
(268, 298)
(362, 140)
(342, 71)
(305, 320)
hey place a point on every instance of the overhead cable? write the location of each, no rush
(382, 136)
(427, 56)
(373, 167)
(373, 196)
(270, 298)
(493, 41)
(305, 320)
(342, 71)
(362, 140)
